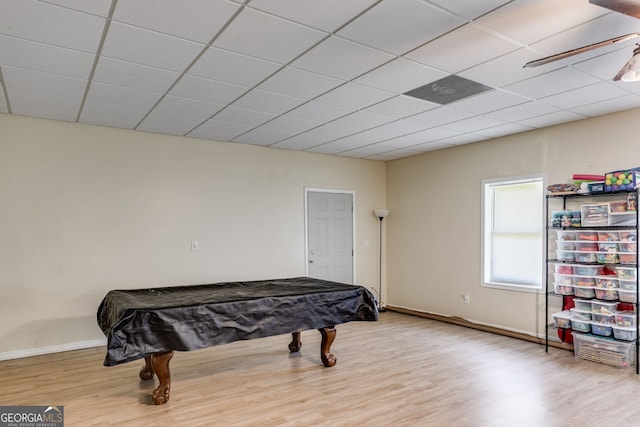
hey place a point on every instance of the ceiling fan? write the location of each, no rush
(631, 71)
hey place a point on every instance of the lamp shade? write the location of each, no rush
(381, 213)
(631, 71)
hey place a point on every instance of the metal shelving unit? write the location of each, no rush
(577, 199)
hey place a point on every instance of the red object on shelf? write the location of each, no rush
(567, 302)
(587, 177)
(626, 306)
(565, 335)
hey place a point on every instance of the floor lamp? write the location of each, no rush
(381, 214)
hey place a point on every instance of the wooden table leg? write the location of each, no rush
(328, 335)
(160, 365)
(146, 373)
(296, 342)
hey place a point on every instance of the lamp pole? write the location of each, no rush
(381, 214)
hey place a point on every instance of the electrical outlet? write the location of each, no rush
(466, 298)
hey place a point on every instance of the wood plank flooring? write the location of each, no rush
(401, 371)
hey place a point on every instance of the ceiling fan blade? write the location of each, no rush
(582, 49)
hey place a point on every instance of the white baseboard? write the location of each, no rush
(18, 354)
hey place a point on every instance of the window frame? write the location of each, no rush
(486, 232)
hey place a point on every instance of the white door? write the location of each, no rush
(330, 236)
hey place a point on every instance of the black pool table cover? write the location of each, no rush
(138, 322)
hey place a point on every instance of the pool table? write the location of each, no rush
(153, 323)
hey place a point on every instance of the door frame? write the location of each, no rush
(308, 190)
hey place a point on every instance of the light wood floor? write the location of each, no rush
(401, 371)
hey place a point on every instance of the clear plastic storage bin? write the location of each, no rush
(627, 334)
(603, 350)
(626, 319)
(627, 296)
(603, 307)
(562, 319)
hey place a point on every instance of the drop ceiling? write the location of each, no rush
(324, 76)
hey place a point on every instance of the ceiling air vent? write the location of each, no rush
(449, 89)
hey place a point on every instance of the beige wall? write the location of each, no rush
(434, 228)
(86, 209)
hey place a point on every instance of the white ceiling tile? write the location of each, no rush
(473, 46)
(300, 142)
(550, 83)
(523, 111)
(361, 120)
(355, 96)
(262, 136)
(348, 143)
(268, 102)
(326, 15)
(431, 146)
(242, 116)
(299, 83)
(391, 130)
(402, 106)
(393, 155)
(414, 75)
(469, 9)
(170, 124)
(232, 67)
(290, 124)
(420, 137)
(207, 90)
(197, 20)
(318, 111)
(502, 130)
(46, 23)
(585, 95)
(325, 149)
(399, 29)
(551, 119)
(95, 7)
(609, 106)
(187, 107)
(366, 151)
(135, 76)
(219, 130)
(331, 131)
(439, 116)
(45, 83)
(473, 124)
(527, 21)
(133, 44)
(492, 100)
(508, 69)
(118, 116)
(399, 128)
(462, 139)
(41, 57)
(340, 58)
(268, 37)
(103, 93)
(35, 104)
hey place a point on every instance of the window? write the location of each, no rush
(512, 233)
